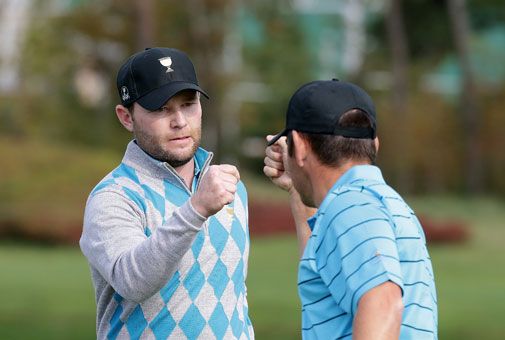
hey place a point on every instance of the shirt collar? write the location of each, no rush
(359, 173)
(353, 176)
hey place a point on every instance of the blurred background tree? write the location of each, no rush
(437, 80)
(429, 74)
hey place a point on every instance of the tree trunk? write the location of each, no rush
(145, 23)
(468, 104)
(207, 43)
(399, 54)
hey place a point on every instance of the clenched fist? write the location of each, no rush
(217, 188)
(275, 164)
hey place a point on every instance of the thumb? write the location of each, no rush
(282, 142)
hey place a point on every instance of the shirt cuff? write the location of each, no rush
(195, 213)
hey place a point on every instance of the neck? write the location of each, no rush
(187, 172)
(326, 177)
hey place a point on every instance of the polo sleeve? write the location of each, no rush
(357, 252)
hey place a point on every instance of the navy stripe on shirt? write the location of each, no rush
(322, 322)
(371, 279)
(336, 215)
(417, 329)
(313, 302)
(420, 283)
(412, 261)
(417, 305)
(392, 198)
(349, 229)
(408, 238)
(416, 283)
(354, 272)
(308, 280)
(402, 216)
(353, 249)
(370, 259)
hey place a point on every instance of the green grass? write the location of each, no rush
(271, 285)
(47, 293)
(470, 278)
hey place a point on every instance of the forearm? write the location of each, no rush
(145, 269)
(275, 161)
(135, 265)
(300, 214)
(379, 314)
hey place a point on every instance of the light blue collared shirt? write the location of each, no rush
(363, 235)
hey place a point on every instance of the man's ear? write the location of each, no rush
(300, 148)
(376, 142)
(125, 117)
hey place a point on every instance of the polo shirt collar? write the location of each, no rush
(142, 162)
(359, 172)
(353, 174)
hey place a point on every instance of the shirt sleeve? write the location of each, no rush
(357, 253)
(114, 242)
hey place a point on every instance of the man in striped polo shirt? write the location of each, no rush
(364, 271)
(165, 233)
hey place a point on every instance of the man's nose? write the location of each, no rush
(178, 119)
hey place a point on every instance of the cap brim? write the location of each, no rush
(158, 97)
(277, 137)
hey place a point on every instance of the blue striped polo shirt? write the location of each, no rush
(363, 235)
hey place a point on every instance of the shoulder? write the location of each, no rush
(120, 187)
(352, 214)
(123, 178)
(349, 201)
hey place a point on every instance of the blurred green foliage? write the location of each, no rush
(268, 43)
(44, 187)
(56, 146)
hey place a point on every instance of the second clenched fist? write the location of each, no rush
(217, 188)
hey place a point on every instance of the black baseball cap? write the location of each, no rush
(153, 76)
(317, 106)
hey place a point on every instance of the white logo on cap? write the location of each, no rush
(167, 62)
(125, 95)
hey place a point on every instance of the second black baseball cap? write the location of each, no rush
(153, 76)
(316, 107)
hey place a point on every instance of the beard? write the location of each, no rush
(153, 146)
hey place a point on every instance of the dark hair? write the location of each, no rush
(333, 150)
(130, 107)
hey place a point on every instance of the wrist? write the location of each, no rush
(198, 208)
(292, 191)
(196, 212)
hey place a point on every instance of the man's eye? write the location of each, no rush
(162, 109)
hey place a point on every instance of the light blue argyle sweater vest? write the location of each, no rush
(160, 270)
